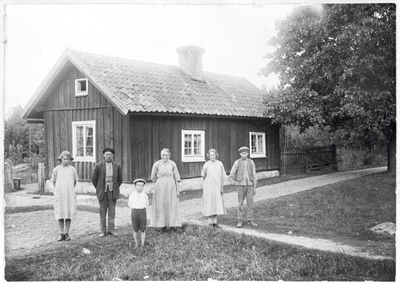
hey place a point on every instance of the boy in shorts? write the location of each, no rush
(138, 202)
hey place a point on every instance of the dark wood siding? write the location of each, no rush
(111, 126)
(151, 133)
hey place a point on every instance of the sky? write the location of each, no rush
(234, 38)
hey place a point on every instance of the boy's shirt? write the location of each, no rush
(138, 200)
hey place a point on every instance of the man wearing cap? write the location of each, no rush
(107, 178)
(243, 173)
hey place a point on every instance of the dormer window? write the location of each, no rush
(81, 87)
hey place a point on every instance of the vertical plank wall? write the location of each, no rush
(151, 133)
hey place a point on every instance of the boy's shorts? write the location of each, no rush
(139, 219)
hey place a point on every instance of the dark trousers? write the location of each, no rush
(245, 192)
(107, 204)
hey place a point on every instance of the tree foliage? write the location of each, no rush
(16, 139)
(337, 67)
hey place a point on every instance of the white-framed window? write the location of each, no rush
(193, 146)
(257, 145)
(84, 140)
(81, 87)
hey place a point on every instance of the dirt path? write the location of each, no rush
(29, 232)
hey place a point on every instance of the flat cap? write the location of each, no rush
(244, 148)
(108, 150)
(139, 180)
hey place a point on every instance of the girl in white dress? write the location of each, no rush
(214, 175)
(64, 178)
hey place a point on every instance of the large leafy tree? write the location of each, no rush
(337, 67)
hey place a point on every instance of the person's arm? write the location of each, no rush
(175, 172)
(254, 177)
(54, 177)
(233, 172)
(223, 177)
(204, 171)
(130, 200)
(154, 171)
(76, 178)
(95, 175)
(119, 178)
(177, 177)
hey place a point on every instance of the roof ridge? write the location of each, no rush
(121, 58)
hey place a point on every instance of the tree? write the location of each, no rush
(337, 68)
(22, 140)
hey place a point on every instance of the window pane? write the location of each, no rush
(188, 144)
(260, 144)
(79, 131)
(253, 143)
(89, 142)
(79, 152)
(89, 151)
(197, 144)
(89, 131)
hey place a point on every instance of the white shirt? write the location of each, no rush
(138, 200)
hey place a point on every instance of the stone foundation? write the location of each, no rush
(126, 188)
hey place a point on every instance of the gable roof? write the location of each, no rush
(136, 86)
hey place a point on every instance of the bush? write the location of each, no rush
(354, 159)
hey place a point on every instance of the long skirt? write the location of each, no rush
(165, 211)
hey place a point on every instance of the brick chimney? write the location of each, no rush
(190, 60)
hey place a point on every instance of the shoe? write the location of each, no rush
(61, 238)
(66, 237)
(240, 224)
(251, 223)
(102, 235)
(111, 233)
(217, 226)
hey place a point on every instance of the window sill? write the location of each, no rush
(258, 156)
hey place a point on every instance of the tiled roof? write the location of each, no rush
(148, 87)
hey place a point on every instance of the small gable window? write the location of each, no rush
(84, 140)
(257, 145)
(81, 87)
(193, 146)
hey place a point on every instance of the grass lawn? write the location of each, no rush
(343, 210)
(192, 253)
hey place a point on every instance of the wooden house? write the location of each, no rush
(89, 102)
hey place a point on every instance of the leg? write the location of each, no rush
(61, 225)
(111, 214)
(103, 212)
(135, 238)
(210, 220)
(250, 206)
(143, 236)
(241, 196)
(250, 202)
(67, 226)
(215, 222)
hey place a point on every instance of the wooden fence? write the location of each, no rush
(302, 160)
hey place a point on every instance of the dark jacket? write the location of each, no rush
(99, 179)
